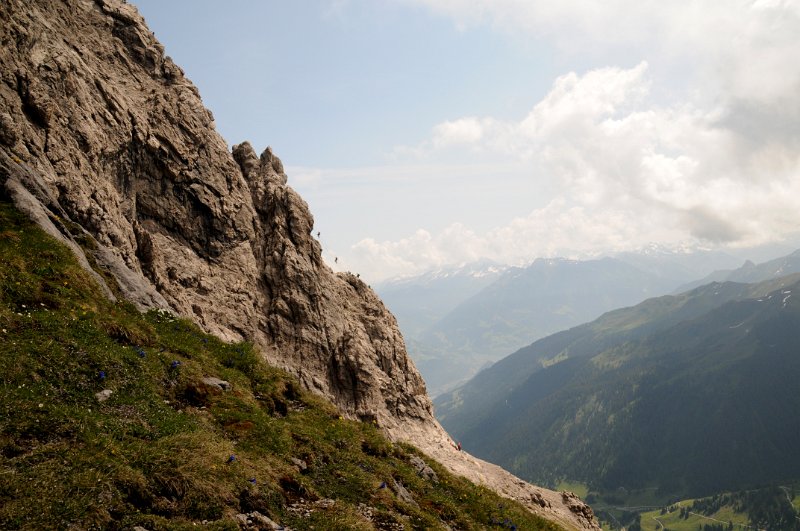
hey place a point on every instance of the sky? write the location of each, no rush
(427, 133)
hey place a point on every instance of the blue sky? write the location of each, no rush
(432, 132)
(332, 84)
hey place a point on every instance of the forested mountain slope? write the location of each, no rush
(525, 304)
(692, 394)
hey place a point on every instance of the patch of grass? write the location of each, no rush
(581, 489)
(169, 450)
(673, 520)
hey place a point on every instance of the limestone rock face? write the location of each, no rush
(106, 132)
(104, 140)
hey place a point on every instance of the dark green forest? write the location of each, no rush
(686, 395)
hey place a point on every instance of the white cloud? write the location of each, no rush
(738, 49)
(697, 143)
(420, 251)
(461, 131)
(629, 172)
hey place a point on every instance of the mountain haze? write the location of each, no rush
(419, 301)
(525, 304)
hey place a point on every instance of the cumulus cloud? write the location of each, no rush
(735, 50)
(420, 251)
(461, 131)
(629, 172)
(698, 143)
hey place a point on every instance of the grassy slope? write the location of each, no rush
(766, 508)
(166, 451)
(672, 519)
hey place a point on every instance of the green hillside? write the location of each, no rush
(687, 395)
(767, 508)
(112, 419)
(522, 305)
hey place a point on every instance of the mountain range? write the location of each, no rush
(421, 300)
(751, 272)
(687, 394)
(484, 312)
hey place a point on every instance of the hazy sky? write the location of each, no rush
(431, 132)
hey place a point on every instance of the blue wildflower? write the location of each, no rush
(175, 364)
(231, 458)
(383, 485)
(252, 480)
(101, 375)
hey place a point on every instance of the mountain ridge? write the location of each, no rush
(107, 145)
(524, 304)
(751, 272)
(648, 395)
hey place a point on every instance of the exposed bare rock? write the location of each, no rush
(218, 383)
(423, 470)
(102, 131)
(103, 395)
(576, 505)
(570, 511)
(402, 493)
(104, 141)
(301, 465)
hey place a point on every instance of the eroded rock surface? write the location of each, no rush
(109, 136)
(105, 142)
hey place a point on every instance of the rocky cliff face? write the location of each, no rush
(107, 133)
(104, 142)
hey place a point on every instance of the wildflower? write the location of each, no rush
(175, 364)
(382, 485)
(101, 375)
(231, 458)
(252, 480)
